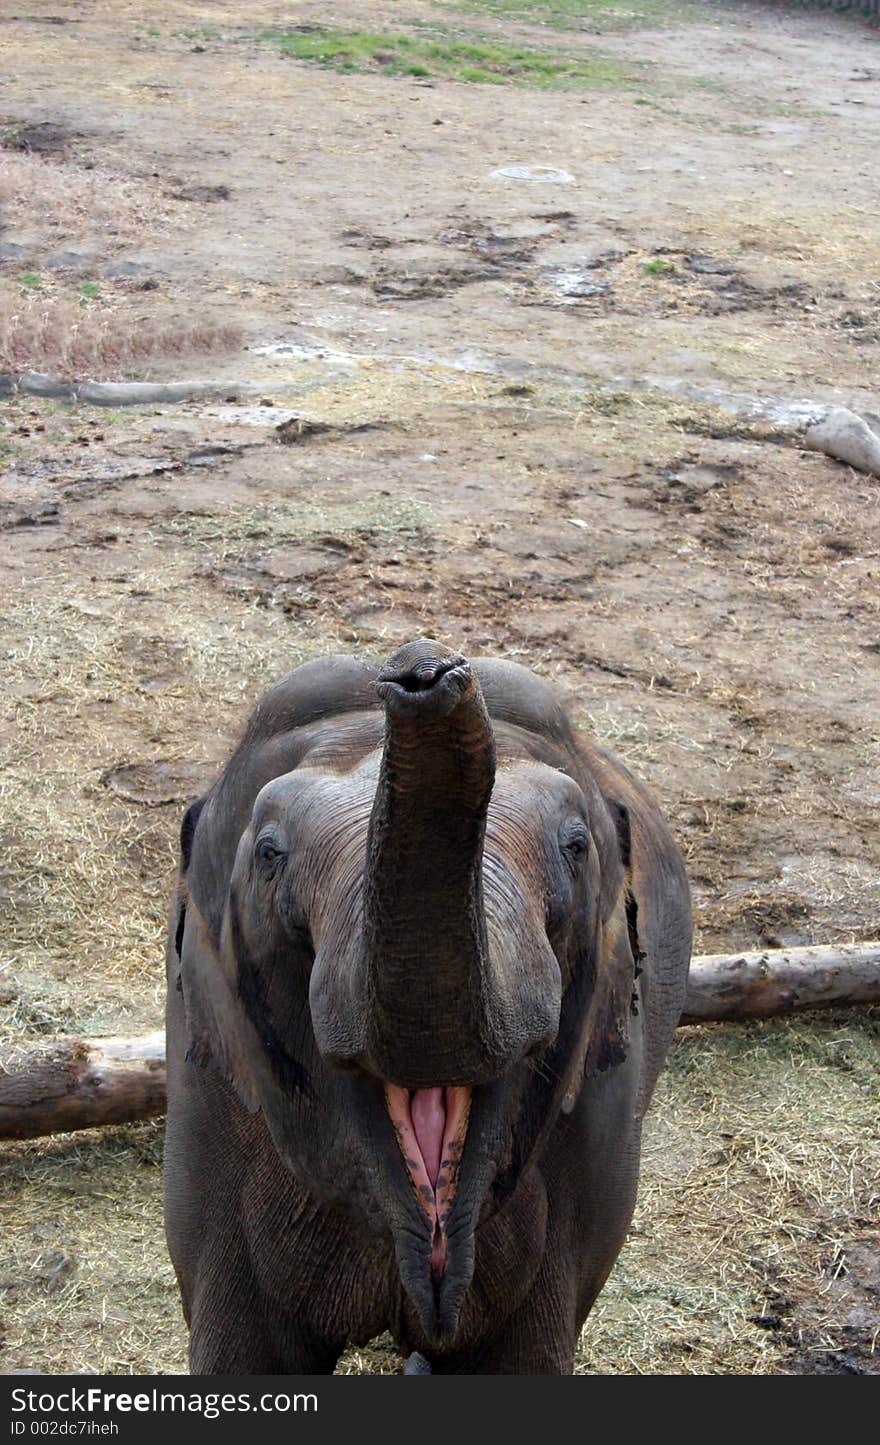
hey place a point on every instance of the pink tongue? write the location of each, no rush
(428, 1112)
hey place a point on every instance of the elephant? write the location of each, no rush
(427, 950)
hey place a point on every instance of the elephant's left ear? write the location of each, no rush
(605, 1035)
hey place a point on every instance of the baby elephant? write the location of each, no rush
(427, 951)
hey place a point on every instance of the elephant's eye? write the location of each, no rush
(268, 851)
(574, 840)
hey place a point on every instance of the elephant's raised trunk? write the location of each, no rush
(434, 1017)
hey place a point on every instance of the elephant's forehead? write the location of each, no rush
(524, 789)
(535, 786)
(317, 787)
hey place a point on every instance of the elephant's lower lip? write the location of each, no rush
(431, 1128)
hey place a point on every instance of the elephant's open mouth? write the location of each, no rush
(431, 1128)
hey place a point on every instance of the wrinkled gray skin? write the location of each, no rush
(418, 875)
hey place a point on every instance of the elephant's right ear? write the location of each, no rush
(208, 986)
(217, 1033)
(188, 832)
(181, 893)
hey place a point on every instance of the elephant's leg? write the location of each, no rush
(597, 1150)
(232, 1332)
(212, 1149)
(539, 1338)
(531, 1345)
(229, 1339)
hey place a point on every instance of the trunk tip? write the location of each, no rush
(424, 674)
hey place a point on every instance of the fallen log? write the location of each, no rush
(846, 437)
(81, 1083)
(779, 980)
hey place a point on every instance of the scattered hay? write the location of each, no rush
(71, 1303)
(86, 872)
(592, 16)
(279, 523)
(61, 200)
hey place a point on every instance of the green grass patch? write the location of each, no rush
(657, 267)
(30, 281)
(474, 61)
(592, 16)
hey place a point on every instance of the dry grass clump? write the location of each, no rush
(759, 1179)
(73, 1300)
(282, 523)
(79, 339)
(85, 873)
(77, 916)
(62, 200)
(839, 240)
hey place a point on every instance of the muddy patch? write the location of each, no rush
(204, 195)
(417, 284)
(685, 485)
(835, 1331)
(45, 138)
(166, 780)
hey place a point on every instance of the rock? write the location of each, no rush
(846, 437)
(708, 266)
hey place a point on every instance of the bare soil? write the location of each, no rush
(503, 429)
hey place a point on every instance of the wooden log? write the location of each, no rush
(80, 1083)
(780, 980)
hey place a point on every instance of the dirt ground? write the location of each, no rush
(522, 444)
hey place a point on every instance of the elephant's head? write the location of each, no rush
(425, 942)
